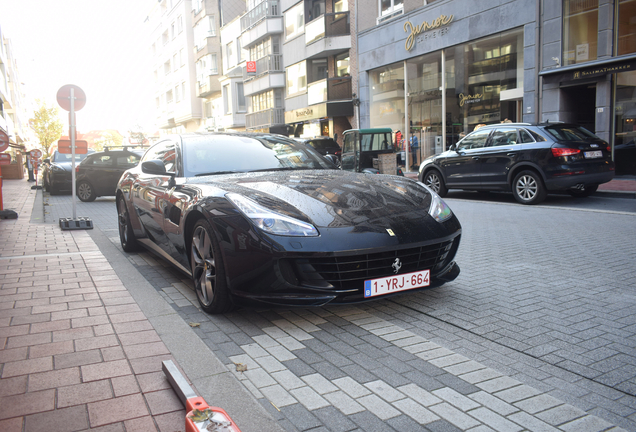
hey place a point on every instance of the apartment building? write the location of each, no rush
(438, 68)
(14, 117)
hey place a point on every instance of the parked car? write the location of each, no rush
(259, 218)
(323, 145)
(529, 160)
(98, 174)
(56, 171)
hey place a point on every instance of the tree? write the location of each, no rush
(47, 126)
(109, 138)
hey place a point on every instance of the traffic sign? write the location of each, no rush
(35, 153)
(64, 97)
(5, 158)
(4, 141)
(251, 67)
(64, 146)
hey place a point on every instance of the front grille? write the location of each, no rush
(350, 272)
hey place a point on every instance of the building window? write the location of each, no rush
(226, 99)
(169, 96)
(296, 78)
(179, 24)
(295, 21)
(390, 7)
(262, 101)
(229, 50)
(340, 6)
(182, 57)
(158, 102)
(580, 31)
(173, 34)
(205, 67)
(240, 97)
(196, 6)
(166, 68)
(211, 26)
(183, 90)
(626, 27)
(175, 63)
(164, 37)
(208, 109)
(342, 65)
(177, 94)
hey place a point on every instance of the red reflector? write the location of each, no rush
(558, 151)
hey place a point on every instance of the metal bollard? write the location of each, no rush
(200, 416)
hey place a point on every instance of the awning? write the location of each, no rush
(598, 68)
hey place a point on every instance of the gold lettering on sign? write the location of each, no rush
(425, 26)
(469, 98)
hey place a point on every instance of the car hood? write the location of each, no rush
(333, 198)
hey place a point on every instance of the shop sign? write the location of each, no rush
(309, 113)
(600, 71)
(414, 31)
(469, 99)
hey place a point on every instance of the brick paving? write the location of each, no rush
(67, 344)
(508, 346)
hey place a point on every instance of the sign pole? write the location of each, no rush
(73, 151)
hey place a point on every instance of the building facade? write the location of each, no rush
(437, 70)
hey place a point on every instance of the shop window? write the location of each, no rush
(626, 27)
(387, 96)
(295, 21)
(580, 31)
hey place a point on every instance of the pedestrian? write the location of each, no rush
(30, 169)
(415, 146)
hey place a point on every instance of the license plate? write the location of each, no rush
(391, 284)
(593, 154)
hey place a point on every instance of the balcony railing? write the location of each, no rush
(267, 8)
(331, 24)
(269, 117)
(267, 64)
(339, 88)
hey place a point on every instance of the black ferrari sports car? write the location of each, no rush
(259, 218)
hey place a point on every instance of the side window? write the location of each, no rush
(349, 142)
(127, 161)
(475, 140)
(165, 151)
(104, 160)
(365, 142)
(536, 136)
(504, 137)
(524, 136)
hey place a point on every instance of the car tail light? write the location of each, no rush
(558, 151)
(77, 169)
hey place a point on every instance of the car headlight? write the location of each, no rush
(271, 222)
(438, 209)
(56, 168)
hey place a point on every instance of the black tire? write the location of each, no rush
(527, 188)
(583, 193)
(86, 192)
(208, 273)
(433, 179)
(45, 184)
(126, 235)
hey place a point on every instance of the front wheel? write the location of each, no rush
(85, 192)
(126, 235)
(528, 188)
(433, 179)
(583, 193)
(207, 270)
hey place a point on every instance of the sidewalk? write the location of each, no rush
(76, 350)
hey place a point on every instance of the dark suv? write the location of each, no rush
(528, 159)
(323, 145)
(99, 173)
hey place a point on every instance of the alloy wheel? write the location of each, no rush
(526, 187)
(84, 191)
(203, 266)
(433, 182)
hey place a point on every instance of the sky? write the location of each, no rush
(100, 46)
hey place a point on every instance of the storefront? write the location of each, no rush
(444, 83)
(322, 119)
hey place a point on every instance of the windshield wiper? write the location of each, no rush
(283, 169)
(217, 172)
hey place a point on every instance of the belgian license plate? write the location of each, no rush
(593, 154)
(391, 284)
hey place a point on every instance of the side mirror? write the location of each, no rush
(333, 159)
(154, 166)
(47, 161)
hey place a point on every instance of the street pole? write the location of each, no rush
(72, 114)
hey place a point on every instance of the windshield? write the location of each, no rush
(571, 133)
(323, 144)
(221, 154)
(67, 157)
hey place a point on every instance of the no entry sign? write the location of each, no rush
(64, 97)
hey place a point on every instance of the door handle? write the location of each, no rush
(511, 154)
(476, 157)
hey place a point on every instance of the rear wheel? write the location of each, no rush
(528, 188)
(126, 235)
(207, 270)
(85, 192)
(433, 179)
(583, 193)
